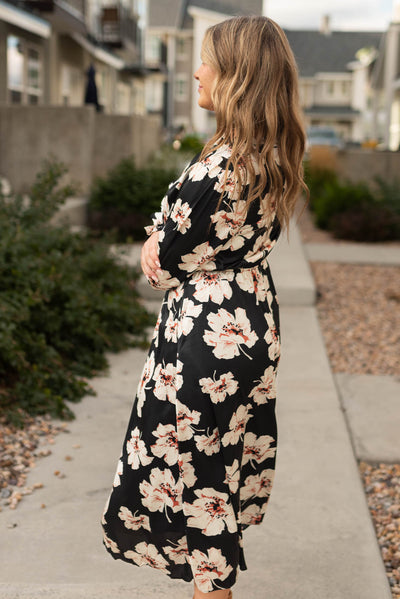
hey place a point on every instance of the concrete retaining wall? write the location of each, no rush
(364, 165)
(358, 164)
(87, 142)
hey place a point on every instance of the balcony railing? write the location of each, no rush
(118, 24)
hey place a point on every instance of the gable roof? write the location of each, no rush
(165, 14)
(230, 7)
(316, 52)
(174, 13)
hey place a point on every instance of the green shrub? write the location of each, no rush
(64, 302)
(368, 222)
(354, 211)
(191, 143)
(336, 198)
(126, 197)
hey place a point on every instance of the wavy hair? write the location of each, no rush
(256, 104)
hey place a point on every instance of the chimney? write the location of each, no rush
(325, 27)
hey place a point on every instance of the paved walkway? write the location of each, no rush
(355, 253)
(317, 541)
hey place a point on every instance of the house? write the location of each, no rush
(335, 78)
(47, 46)
(173, 39)
(386, 83)
(334, 67)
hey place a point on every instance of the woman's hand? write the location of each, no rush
(149, 257)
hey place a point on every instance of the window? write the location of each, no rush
(153, 49)
(181, 88)
(330, 88)
(24, 71)
(181, 48)
(345, 88)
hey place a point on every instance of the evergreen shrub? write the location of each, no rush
(125, 198)
(354, 211)
(65, 301)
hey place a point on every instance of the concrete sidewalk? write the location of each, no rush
(317, 540)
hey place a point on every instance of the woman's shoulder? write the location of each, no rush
(211, 165)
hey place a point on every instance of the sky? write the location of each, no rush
(353, 15)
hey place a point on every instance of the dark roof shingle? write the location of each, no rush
(316, 52)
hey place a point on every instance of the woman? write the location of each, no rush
(198, 459)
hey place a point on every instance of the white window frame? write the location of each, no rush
(24, 89)
(181, 95)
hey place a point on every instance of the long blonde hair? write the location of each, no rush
(256, 103)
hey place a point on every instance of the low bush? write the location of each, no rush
(125, 198)
(191, 143)
(64, 302)
(354, 211)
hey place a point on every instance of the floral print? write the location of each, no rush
(198, 457)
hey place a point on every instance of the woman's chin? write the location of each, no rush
(205, 105)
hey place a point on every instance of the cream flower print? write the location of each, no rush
(210, 166)
(237, 241)
(207, 567)
(188, 313)
(253, 281)
(266, 387)
(146, 554)
(257, 485)
(233, 476)
(229, 332)
(212, 286)
(110, 544)
(208, 443)
(237, 425)
(272, 338)
(185, 419)
(220, 388)
(253, 514)
(159, 217)
(136, 450)
(186, 469)
(118, 474)
(147, 373)
(211, 512)
(174, 295)
(199, 259)
(133, 522)
(166, 446)
(259, 249)
(161, 492)
(257, 449)
(167, 381)
(177, 552)
(228, 184)
(227, 224)
(180, 215)
(171, 329)
(156, 331)
(165, 280)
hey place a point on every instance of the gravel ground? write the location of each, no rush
(359, 313)
(382, 485)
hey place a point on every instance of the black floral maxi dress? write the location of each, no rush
(198, 458)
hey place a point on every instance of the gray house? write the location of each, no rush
(174, 34)
(335, 78)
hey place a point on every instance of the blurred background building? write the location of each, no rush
(136, 58)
